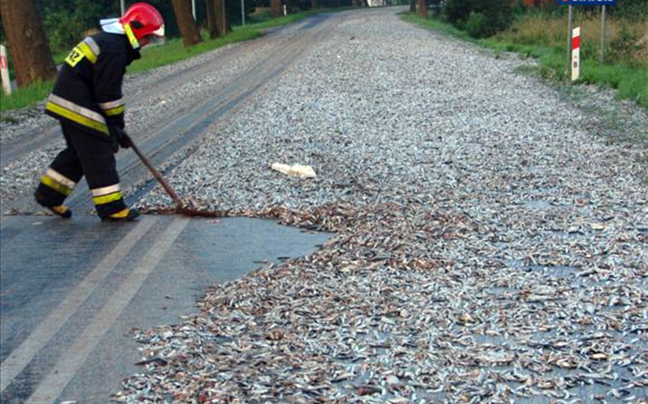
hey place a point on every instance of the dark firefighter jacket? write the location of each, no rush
(88, 89)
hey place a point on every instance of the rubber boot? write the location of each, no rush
(126, 215)
(59, 210)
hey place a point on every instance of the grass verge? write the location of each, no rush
(25, 96)
(628, 77)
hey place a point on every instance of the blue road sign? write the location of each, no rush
(586, 2)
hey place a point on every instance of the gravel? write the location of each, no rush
(491, 237)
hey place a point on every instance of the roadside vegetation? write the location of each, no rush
(541, 33)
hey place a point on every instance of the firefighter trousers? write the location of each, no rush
(85, 154)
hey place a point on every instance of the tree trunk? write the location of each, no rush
(28, 45)
(412, 6)
(423, 9)
(315, 4)
(276, 8)
(188, 28)
(210, 10)
(222, 21)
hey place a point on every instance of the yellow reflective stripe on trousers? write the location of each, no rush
(104, 199)
(106, 190)
(76, 117)
(60, 178)
(58, 187)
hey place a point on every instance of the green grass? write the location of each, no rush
(26, 96)
(631, 82)
(172, 51)
(628, 79)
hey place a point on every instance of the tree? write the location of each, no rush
(67, 22)
(276, 8)
(222, 19)
(412, 6)
(31, 54)
(423, 9)
(212, 28)
(188, 27)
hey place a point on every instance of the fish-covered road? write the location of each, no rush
(489, 232)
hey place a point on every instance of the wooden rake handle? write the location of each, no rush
(155, 173)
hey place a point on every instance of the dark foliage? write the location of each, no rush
(634, 10)
(478, 17)
(68, 21)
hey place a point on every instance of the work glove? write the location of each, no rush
(119, 138)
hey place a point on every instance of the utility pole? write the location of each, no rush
(602, 52)
(243, 11)
(122, 7)
(569, 38)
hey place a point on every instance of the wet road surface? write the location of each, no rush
(71, 291)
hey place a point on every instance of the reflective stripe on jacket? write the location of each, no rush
(88, 89)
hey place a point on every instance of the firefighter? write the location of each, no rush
(87, 101)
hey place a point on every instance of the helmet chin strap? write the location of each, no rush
(113, 26)
(131, 36)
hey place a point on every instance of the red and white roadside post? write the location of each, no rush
(575, 54)
(4, 69)
(573, 36)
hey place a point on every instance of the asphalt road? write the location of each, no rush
(72, 291)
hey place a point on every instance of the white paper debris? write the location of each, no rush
(296, 170)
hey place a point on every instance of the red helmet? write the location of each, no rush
(143, 24)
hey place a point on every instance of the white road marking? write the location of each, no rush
(59, 377)
(21, 356)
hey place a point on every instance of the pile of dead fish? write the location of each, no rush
(383, 314)
(491, 244)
